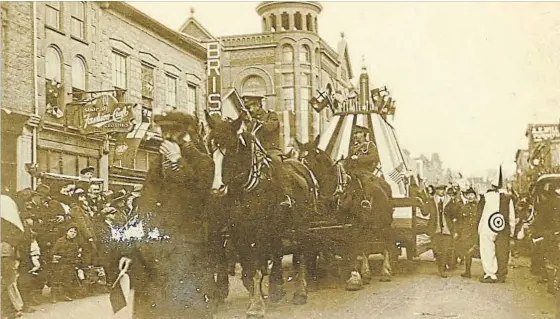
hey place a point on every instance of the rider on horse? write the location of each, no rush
(364, 159)
(268, 136)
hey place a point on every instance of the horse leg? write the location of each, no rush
(386, 269)
(365, 271)
(247, 275)
(275, 280)
(257, 306)
(300, 291)
(312, 271)
(355, 281)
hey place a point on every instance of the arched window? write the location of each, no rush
(297, 21)
(273, 23)
(305, 54)
(254, 85)
(53, 65)
(287, 53)
(285, 20)
(54, 92)
(78, 77)
(308, 22)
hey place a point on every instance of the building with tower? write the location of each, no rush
(287, 62)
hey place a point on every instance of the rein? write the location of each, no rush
(259, 159)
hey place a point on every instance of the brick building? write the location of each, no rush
(286, 63)
(83, 47)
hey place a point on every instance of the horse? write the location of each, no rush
(247, 181)
(335, 192)
(174, 241)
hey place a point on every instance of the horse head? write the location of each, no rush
(227, 142)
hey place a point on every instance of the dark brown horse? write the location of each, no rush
(247, 182)
(340, 196)
(174, 242)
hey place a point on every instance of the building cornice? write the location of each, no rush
(189, 45)
(264, 6)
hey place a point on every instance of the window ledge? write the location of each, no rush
(79, 40)
(54, 29)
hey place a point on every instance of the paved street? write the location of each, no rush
(416, 293)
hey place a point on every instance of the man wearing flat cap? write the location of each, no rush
(364, 159)
(86, 174)
(170, 268)
(441, 210)
(269, 134)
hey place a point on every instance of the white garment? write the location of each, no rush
(488, 236)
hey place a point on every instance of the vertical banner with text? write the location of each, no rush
(214, 100)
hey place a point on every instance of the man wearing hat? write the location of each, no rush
(441, 210)
(496, 230)
(269, 134)
(466, 233)
(364, 159)
(170, 265)
(86, 174)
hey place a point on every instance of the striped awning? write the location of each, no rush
(337, 137)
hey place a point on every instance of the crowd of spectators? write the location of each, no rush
(66, 251)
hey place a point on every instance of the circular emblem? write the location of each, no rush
(496, 222)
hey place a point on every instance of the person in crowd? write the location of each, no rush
(441, 211)
(66, 260)
(466, 233)
(108, 253)
(86, 174)
(547, 223)
(496, 229)
(95, 199)
(84, 224)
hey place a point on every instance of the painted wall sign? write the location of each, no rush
(105, 115)
(545, 132)
(214, 102)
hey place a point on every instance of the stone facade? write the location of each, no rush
(107, 27)
(273, 63)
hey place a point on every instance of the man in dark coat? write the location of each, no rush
(442, 210)
(363, 162)
(170, 271)
(269, 134)
(466, 230)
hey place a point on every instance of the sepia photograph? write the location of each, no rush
(245, 159)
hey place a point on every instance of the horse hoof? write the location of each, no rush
(277, 296)
(299, 300)
(385, 279)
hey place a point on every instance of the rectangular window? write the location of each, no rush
(78, 18)
(191, 99)
(147, 85)
(119, 75)
(288, 98)
(52, 12)
(171, 96)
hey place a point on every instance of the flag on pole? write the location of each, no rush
(397, 174)
(120, 292)
(12, 226)
(321, 101)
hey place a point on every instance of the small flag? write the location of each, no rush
(320, 101)
(12, 226)
(120, 292)
(397, 175)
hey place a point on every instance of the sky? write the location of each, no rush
(467, 76)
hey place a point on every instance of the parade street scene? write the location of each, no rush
(217, 160)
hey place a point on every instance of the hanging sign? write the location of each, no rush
(105, 115)
(214, 79)
(541, 133)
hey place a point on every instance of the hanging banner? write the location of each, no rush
(541, 133)
(127, 144)
(214, 102)
(104, 115)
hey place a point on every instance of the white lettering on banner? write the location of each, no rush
(214, 78)
(542, 133)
